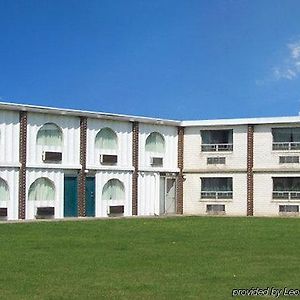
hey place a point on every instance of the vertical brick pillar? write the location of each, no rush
(82, 174)
(22, 160)
(135, 164)
(250, 170)
(179, 185)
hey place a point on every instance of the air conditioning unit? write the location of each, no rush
(156, 161)
(50, 156)
(3, 213)
(106, 159)
(45, 213)
(117, 210)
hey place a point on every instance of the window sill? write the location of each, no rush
(285, 151)
(216, 152)
(285, 200)
(216, 200)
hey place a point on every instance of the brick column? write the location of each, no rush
(135, 164)
(22, 160)
(179, 185)
(250, 170)
(82, 174)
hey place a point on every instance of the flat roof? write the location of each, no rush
(84, 113)
(156, 121)
(245, 121)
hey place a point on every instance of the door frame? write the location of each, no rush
(71, 175)
(165, 177)
(86, 199)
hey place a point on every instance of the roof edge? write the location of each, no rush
(242, 121)
(90, 114)
(148, 120)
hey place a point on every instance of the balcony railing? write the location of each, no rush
(286, 195)
(216, 195)
(286, 146)
(216, 147)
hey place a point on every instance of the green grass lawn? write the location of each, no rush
(154, 258)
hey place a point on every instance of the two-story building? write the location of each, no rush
(57, 163)
(242, 166)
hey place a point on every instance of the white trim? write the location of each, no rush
(90, 114)
(149, 120)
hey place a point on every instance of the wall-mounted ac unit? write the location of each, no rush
(3, 213)
(156, 161)
(106, 159)
(116, 210)
(50, 156)
(45, 213)
(215, 209)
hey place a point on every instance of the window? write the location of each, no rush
(216, 160)
(113, 190)
(286, 188)
(216, 140)
(155, 142)
(4, 191)
(42, 189)
(289, 159)
(49, 135)
(289, 208)
(286, 138)
(216, 188)
(106, 139)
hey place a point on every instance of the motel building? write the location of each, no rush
(59, 163)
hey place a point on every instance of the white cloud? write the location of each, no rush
(290, 68)
(295, 50)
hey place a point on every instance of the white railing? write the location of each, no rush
(216, 147)
(216, 195)
(286, 146)
(286, 195)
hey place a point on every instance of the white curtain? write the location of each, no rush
(113, 190)
(49, 135)
(4, 193)
(155, 143)
(42, 190)
(106, 139)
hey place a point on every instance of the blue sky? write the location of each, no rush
(171, 59)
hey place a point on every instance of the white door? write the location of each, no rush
(170, 196)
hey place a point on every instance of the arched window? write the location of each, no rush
(113, 190)
(4, 191)
(42, 189)
(49, 135)
(106, 139)
(155, 142)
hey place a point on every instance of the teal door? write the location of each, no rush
(90, 196)
(70, 197)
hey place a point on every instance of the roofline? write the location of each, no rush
(147, 120)
(246, 121)
(84, 113)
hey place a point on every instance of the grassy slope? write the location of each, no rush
(195, 258)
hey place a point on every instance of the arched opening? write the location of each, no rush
(42, 189)
(49, 135)
(155, 142)
(4, 190)
(113, 190)
(106, 139)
